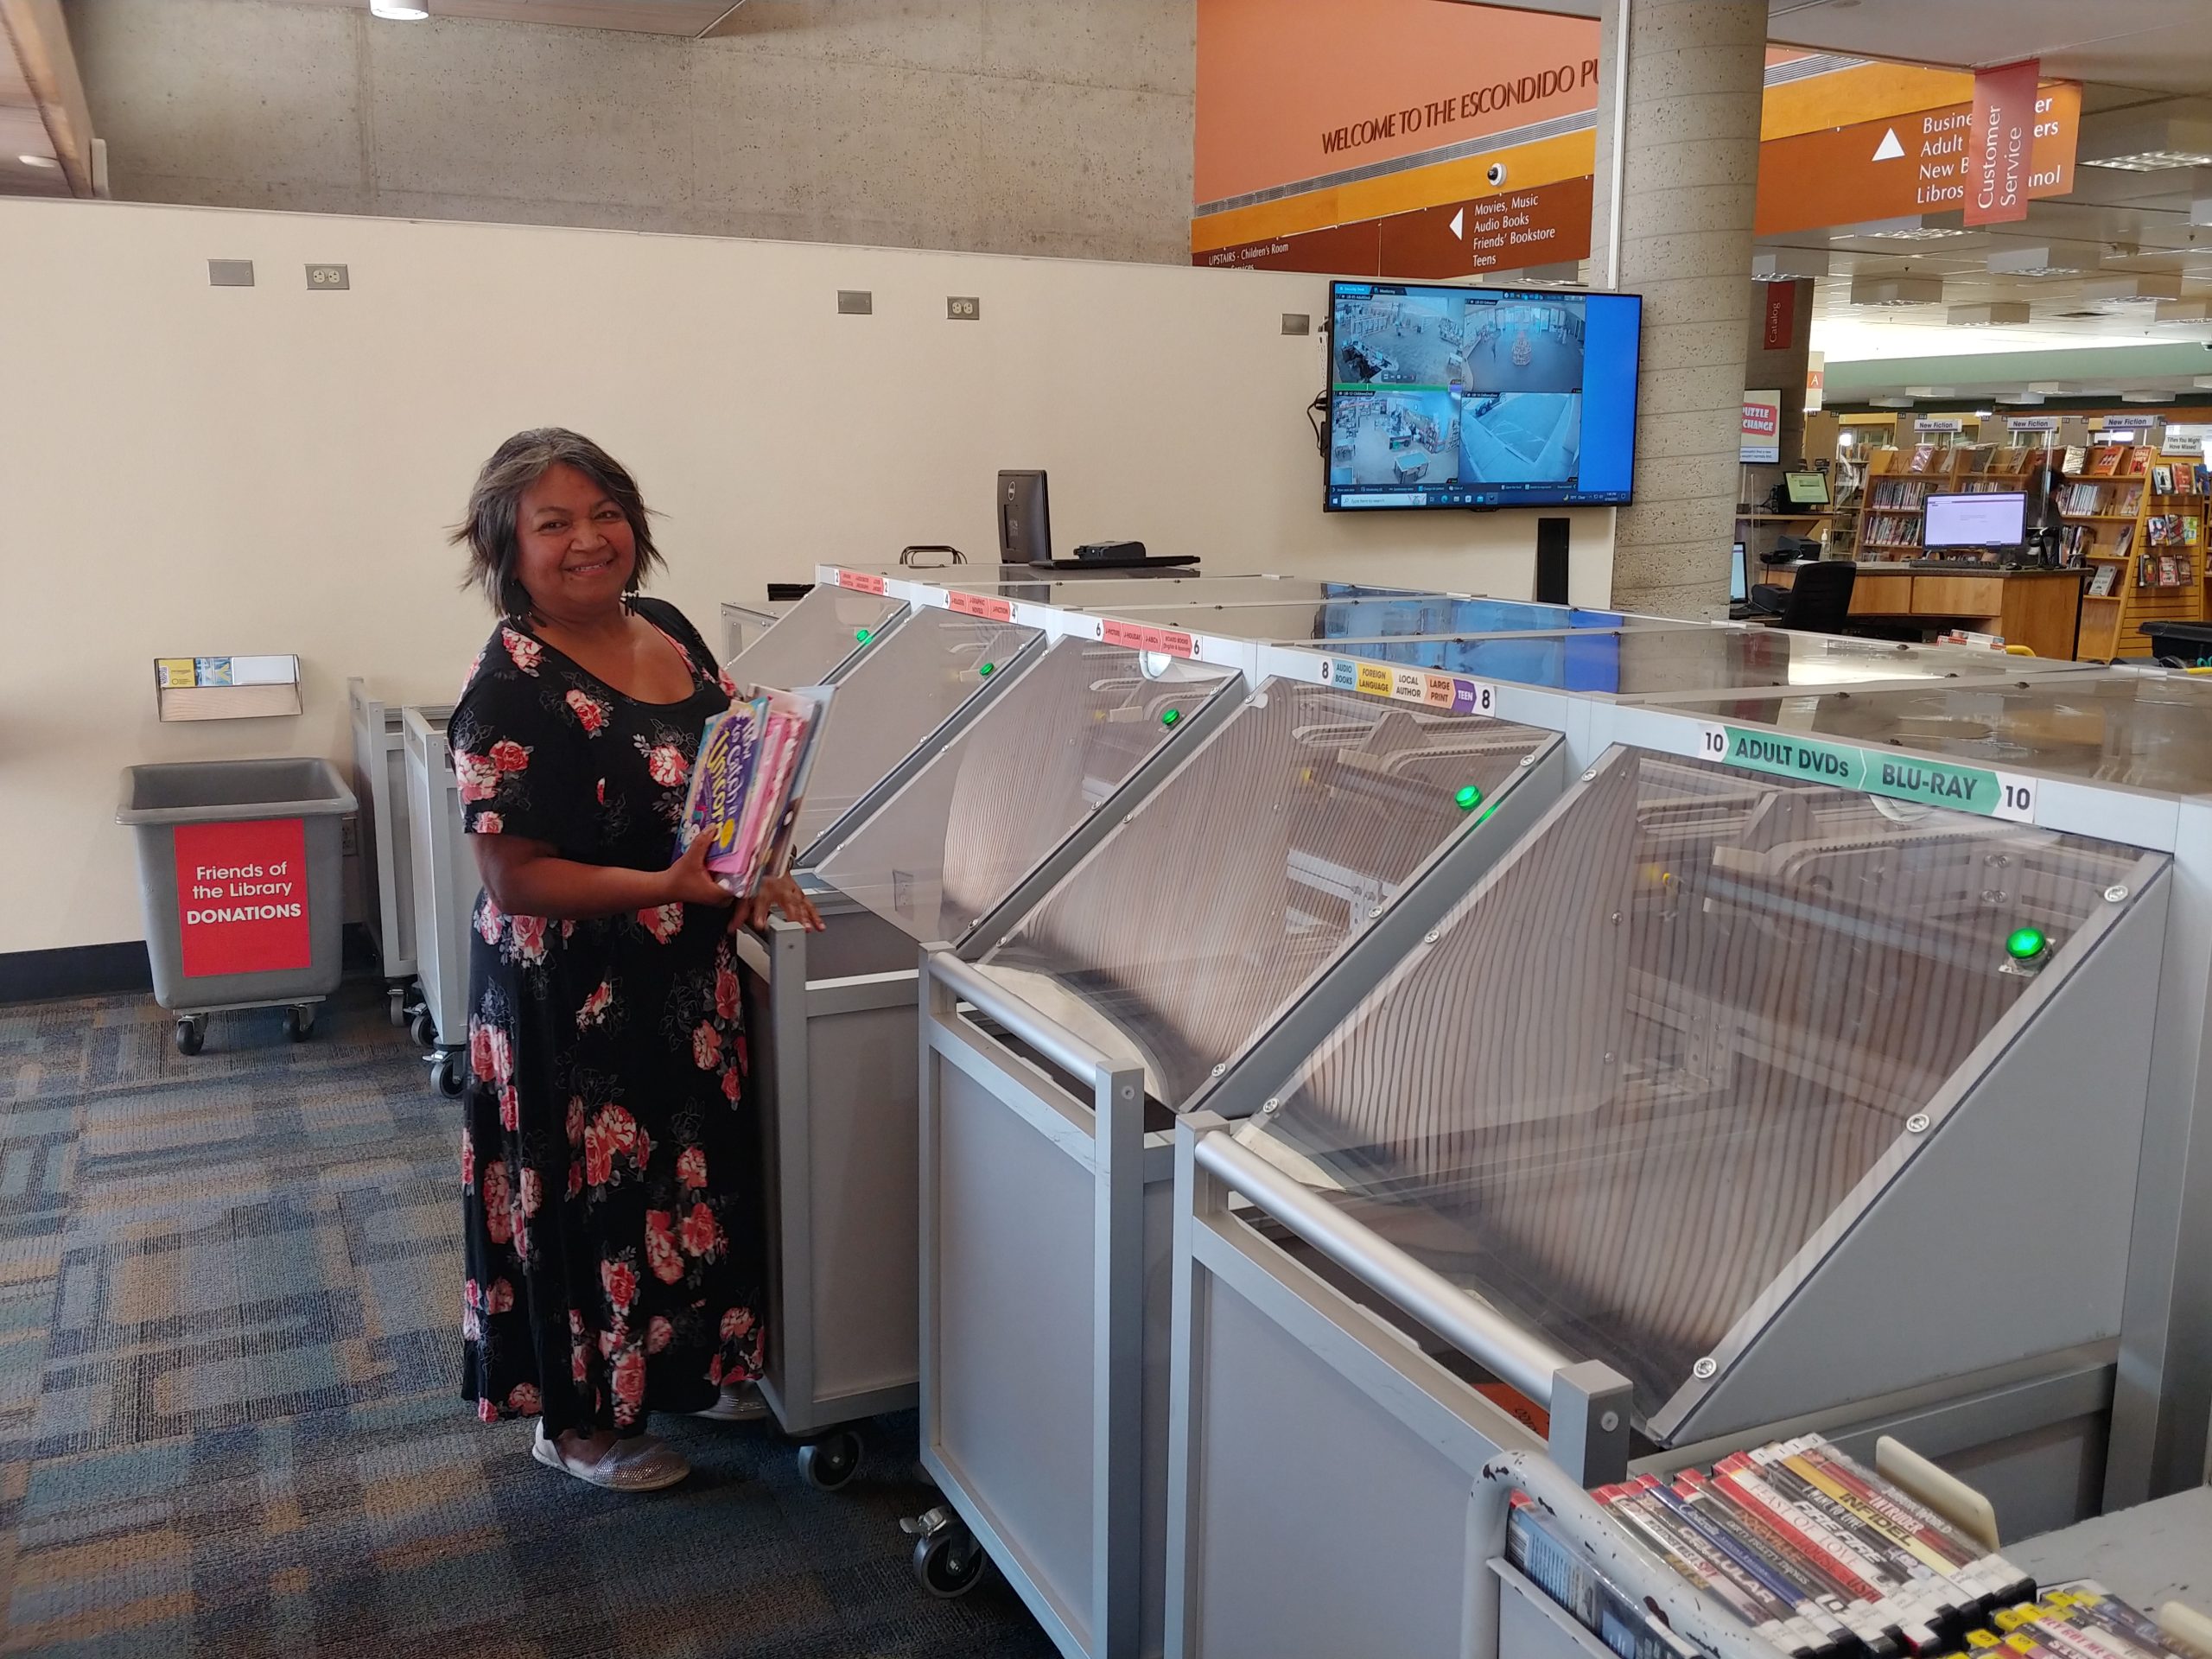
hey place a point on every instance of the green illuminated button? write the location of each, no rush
(984, 669)
(1469, 797)
(2027, 944)
(862, 635)
(1169, 716)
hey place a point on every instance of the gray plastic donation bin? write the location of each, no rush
(240, 876)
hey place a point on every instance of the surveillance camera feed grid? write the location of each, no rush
(1449, 396)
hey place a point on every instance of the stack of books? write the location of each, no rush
(747, 782)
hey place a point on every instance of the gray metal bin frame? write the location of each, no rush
(833, 1024)
(387, 853)
(1046, 1238)
(445, 885)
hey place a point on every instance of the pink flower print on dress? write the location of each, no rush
(590, 712)
(523, 1399)
(525, 653)
(691, 1167)
(664, 763)
(727, 680)
(706, 1047)
(661, 1254)
(736, 1323)
(599, 1157)
(726, 993)
(479, 1049)
(533, 1190)
(659, 1335)
(576, 1120)
(509, 756)
(477, 774)
(468, 1161)
(487, 1412)
(497, 1219)
(491, 824)
(619, 1129)
(530, 938)
(732, 1083)
(500, 1298)
(488, 918)
(620, 1279)
(701, 1233)
(594, 1011)
(510, 1113)
(629, 1380)
(663, 922)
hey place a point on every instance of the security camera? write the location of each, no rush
(1496, 173)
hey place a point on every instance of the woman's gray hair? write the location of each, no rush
(495, 504)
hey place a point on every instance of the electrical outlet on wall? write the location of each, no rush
(327, 277)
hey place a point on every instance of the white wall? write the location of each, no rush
(186, 469)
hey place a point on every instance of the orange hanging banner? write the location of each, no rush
(2001, 144)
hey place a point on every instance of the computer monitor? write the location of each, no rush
(1994, 518)
(1025, 523)
(1739, 577)
(1807, 489)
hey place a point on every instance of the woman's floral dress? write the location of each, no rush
(609, 1163)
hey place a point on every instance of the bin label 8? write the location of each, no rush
(242, 897)
(1933, 783)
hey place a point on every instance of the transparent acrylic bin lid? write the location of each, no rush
(810, 640)
(2148, 731)
(1655, 1050)
(1067, 732)
(1180, 937)
(1369, 617)
(1661, 661)
(902, 688)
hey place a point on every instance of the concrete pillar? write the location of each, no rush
(1689, 137)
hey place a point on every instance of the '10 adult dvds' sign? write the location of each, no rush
(242, 897)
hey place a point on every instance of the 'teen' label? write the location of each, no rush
(1932, 782)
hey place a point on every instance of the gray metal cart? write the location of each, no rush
(1760, 1093)
(1271, 877)
(241, 882)
(1001, 803)
(387, 855)
(444, 898)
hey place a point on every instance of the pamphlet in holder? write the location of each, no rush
(226, 688)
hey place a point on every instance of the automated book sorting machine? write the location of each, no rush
(1760, 1081)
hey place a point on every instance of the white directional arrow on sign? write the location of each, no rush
(1457, 219)
(1889, 149)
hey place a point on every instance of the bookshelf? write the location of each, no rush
(2150, 539)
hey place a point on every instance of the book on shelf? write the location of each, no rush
(2169, 571)
(2192, 529)
(2076, 457)
(2162, 480)
(2101, 581)
(1923, 456)
(2105, 462)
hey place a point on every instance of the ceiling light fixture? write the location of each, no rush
(401, 11)
(1897, 290)
(1891, 402)
(38, 161)
(2044, 259)
(2151, 161)
(2133, 289)
(1997, 314)
(2029, 399)
(2146, 396)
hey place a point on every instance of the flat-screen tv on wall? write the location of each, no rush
(1443, 396)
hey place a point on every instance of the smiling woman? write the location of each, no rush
(611, 1192)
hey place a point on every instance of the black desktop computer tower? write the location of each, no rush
(1024, 523)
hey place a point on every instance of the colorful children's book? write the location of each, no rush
(746, 782)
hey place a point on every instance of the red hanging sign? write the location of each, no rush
(242, 897)
(2001, 144)
(1781, 315)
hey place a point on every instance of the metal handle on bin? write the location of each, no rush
(1584, 1522)
(1524, 1361)
(1056, 1042)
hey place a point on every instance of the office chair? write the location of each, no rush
(1819, 599)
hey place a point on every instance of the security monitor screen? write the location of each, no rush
(1480, 396)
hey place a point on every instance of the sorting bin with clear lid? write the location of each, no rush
(445, 885)
(1270, 877)
(1029, 765)
(1786, 1105)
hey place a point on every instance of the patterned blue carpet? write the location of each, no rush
(229, 1410)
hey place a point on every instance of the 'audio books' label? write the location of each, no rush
(1437, 691)
(1902, 777)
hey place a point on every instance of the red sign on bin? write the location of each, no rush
(991, 610)
(1170, 642)
(860, 582)
(242, 897)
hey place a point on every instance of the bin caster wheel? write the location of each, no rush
(424, 1030)
(399, 996)
(829, 1462)
(445, 1072)
(299, 1023)
(948, 1561)
(191, 1036)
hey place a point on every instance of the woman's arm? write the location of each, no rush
(527, 878)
